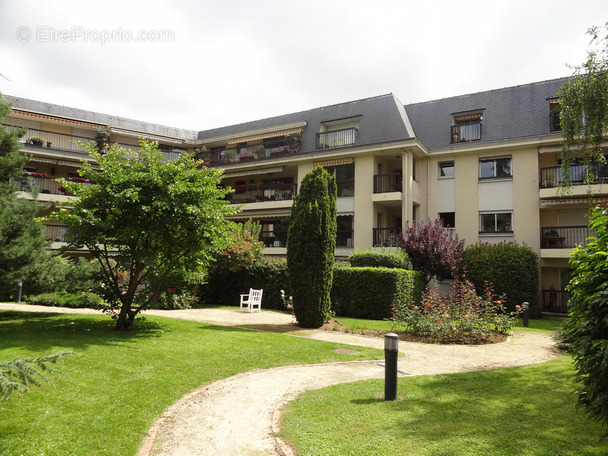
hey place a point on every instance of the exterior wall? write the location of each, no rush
(466, 197)
(526, 215)
(364, 216)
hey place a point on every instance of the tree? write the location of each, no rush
(244, 247)
(432, 248)
(24, 255)
(584, 109)
(587, 328)
(146, 220)
(311, 244)
(18, 374)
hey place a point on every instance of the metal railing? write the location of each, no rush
(552, 177)
(275, 238)
(337, 138)
(386, 237)
(464, 133)
(564, 237)
(71, 143)
(385, 183)
(43, 184)
(251, 193)
(269, 149)
(556, 301)
(56, 233)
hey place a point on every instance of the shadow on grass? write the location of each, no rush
(41, 330)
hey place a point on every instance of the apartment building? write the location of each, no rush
(486, 163)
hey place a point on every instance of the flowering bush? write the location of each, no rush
(460, 316)
(287, 301)
(172, 300)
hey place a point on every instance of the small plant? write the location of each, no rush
(172, 300)
(287, 301)
(458, 317)
(36, 141)
(259, 151)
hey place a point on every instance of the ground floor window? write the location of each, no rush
(496, 222)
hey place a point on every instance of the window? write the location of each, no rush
(345, 178)
(496, 222)
(344, 232)
(495, 168)
(448, 218)
(446, 169)
(466, 127)
(555, 110)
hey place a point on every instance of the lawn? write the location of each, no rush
(115, 384)
(518, 411)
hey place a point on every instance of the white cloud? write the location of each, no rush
(234, 61)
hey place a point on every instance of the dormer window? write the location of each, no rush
(466, 126)
(338, 133)
(555, 109)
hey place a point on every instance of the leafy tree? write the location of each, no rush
(432, 248)
(311, 241)
(584, 109)
(244, 247)
(20, 373)
(145, 220)
(587, 328)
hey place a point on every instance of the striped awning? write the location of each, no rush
(258, 137)
(334, 162)
(36, 115)
(252, 172)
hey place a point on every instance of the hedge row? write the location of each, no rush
(356, 292)
(373, 293)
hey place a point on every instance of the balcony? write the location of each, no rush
(56, 233)
(53, 141)
(564, 237)
(337, 138)
(386, 237)
(465, 133)
(552, 177)
(278, 148)
(386, 183)
(44, 184)
(252, 193)
(556, 302)
(276, 238)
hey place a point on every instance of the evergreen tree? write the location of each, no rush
(24, 255)
(311, 243)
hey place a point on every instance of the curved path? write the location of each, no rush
(239, 415)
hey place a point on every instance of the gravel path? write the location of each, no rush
(239, 415)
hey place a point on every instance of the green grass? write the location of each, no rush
(115, 385)
(519, 411)
(352, 324)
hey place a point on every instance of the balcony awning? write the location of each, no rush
(569, 201)
(335, 162)
(150, 136)
(273, 134)
(252, 172)
(36, 115)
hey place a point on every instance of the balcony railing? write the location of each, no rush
(385, 183)
(28, 183)
(552, 177)
(386, 237)
(556, 301)
(62, 141)
(253, 193)
(276, 238)
(464, 133)
(344, 238)
(337, 138)
(251, 152)
(564, 237)
(56, 233)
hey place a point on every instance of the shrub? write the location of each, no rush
(511, 268)
(374, 293)
(587, 329)
(172, 300)
(72, 300)
(457, 317)
(375, 258)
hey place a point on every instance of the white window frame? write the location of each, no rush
(495, 160)
(496, 230)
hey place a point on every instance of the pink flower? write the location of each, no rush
(428, 306)
(415, 307)
(499, 302)
(517, 306)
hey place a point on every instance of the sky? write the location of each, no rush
(204, 64)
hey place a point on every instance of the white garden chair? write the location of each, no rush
(252, 300)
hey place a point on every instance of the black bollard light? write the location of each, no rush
(526, 315)
(391, 353)
(19, 287)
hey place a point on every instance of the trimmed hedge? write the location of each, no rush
(375, 258)
(511, 268)
(374, 293)
(62, 299)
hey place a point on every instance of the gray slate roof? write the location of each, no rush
(381, 122)
(511, 113)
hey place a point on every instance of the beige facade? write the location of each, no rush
(394, 164)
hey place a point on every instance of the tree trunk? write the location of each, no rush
(124, 322)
